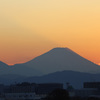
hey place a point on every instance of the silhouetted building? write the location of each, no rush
(92, 85)
(21, 88)
(29, 91)
(90, 89)
(48, 87)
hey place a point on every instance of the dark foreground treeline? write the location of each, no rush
(61, 94)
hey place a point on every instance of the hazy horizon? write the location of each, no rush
(29, 28)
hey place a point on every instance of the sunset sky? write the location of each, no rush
(29, 28)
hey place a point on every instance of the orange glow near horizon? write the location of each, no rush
(29, 28)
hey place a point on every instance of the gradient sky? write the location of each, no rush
(29, 28)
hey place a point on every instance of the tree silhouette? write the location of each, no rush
(58, 94)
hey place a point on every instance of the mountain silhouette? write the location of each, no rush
(18, 69)
(59, 59)
(76, 79)
(2, 64)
